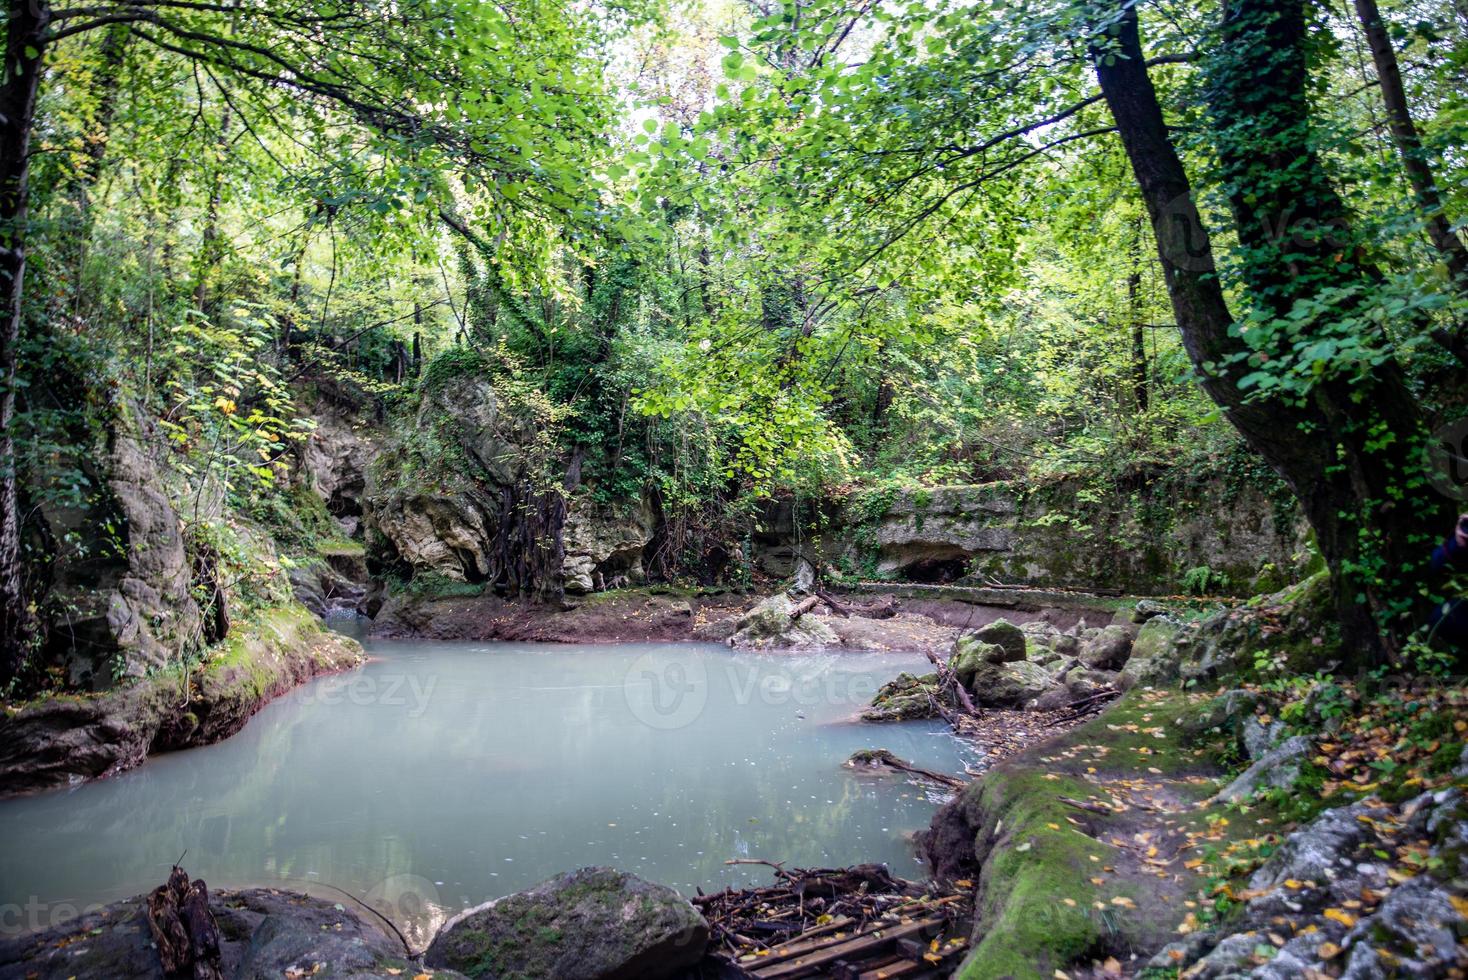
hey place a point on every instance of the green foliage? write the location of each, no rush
(1204, 581)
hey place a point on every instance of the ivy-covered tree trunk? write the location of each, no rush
(24, 43)
(1347, 447)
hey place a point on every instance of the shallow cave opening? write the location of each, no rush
(936, 571)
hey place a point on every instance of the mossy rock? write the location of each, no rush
(1009, 685)
(769, 626)
(1153, 658)
(1005, 635)
(1108, 649)
(595, 924)
(971, 654)
(906, 698)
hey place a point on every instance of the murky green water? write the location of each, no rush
(442, 775)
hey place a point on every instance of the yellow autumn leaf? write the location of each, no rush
(1342, 916)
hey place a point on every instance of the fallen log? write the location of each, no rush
(832, 604)
(804, 606)
(883, 936)
(877, 758)
(1087, 706)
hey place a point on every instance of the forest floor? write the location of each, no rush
(1110, 850)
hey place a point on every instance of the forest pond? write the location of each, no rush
(442, 775)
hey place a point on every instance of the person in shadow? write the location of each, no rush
(1448, 621)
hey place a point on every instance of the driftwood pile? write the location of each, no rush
(183, 928)
(857, 923)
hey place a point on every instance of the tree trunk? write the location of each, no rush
(417, 338)
(76, 239)
(24, 48)
(1139, 329)
(1409, 143)
(1347, 450)
(210, 250)
(1414, 162)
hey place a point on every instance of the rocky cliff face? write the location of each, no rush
(117, 599)
(1159, 538)
(463, 491)
(333, 464)
(604, 544)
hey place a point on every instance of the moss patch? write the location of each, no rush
(1082, 842)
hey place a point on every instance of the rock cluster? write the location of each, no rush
(774, 623)
(1035, 666)
(592, 924)
(1327, 904)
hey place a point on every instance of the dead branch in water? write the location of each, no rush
(877, 758)
(948, 681)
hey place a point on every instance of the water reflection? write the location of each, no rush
(442, 775)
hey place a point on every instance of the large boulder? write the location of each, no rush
(592, 924)
(1109, 648)
(906, 698)
(1009, 685)
(1154, 659)
(264, 934)
(769, 625)
(1005, 635)
(1083, 682)
(970, 654)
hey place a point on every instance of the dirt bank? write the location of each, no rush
(877, 621)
